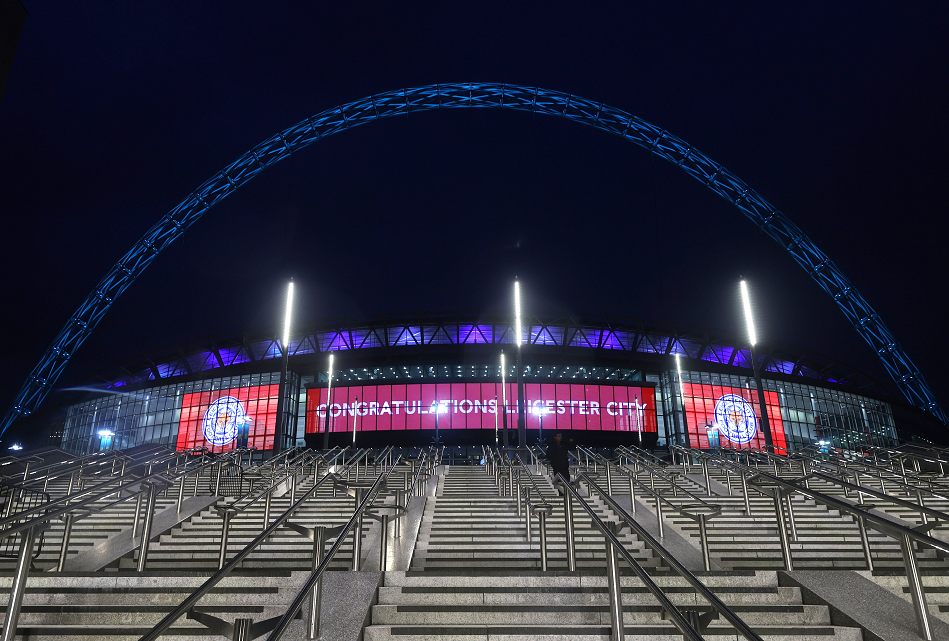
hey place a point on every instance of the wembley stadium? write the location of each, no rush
(411, 380)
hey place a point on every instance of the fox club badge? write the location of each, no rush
(735, 418)
(224, 420)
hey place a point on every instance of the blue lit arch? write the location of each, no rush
(486, 95)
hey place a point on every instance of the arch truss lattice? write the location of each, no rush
(772, 222)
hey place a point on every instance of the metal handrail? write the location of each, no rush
(658, 494)
(905, 535)
(291, 468)
(677, 618)
(67, 504)
(318, 571)
(655, 471)
(193, 598)
(869, 471)
(674, 563)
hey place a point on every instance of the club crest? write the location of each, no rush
(223, 420)
(735, 418)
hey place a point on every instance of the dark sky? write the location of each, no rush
(834, 112)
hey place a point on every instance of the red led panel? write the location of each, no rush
(730, 410)
(474, 406)
(218, 419)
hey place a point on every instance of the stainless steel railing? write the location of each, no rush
(717, 605)
(615, 548)
(242, 628)
(700, 511)
(311, 588)
(906, 536)
(289, 473)
(33, 522)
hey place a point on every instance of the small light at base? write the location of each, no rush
(16, 446)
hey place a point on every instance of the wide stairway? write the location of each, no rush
(469, 562)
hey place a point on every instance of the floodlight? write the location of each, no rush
(517, 312)
(106, 433)
(286, 317)
(16, 447)
(749, 320)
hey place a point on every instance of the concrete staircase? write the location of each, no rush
(475, 576)
(473, 572)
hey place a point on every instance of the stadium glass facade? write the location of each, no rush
(181, 415)
(800, 415)
(588, 375)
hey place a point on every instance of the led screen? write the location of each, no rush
(734, 411)
(219, 419)
(474, 406)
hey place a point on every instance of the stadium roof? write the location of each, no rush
(391, 333)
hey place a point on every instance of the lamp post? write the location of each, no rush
(753, 339)
(439, 408)
(280, 432)
(521, 414)
(503, 408)
(685, 418)
(639, 419)
(329, 399)
(355, 416)
(540, 411)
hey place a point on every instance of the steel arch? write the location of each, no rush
(487, 95)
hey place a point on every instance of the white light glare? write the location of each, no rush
(286, 318)
(679, 371)
(16, 446)
(517, 312)
(440, 407)
(540, 410)
(746, 304)
(330, 378)
(106, 433)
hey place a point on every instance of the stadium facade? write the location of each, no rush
(399, 380)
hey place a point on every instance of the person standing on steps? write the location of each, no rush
(559, 457)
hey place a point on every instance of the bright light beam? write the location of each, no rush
(749, 320)
(681, 386)
(517, 313)
(286, 317)
(503, 385)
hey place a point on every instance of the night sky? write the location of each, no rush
(836, 113)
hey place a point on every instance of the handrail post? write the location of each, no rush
(791, 517)
(64, 548)
(181, 491)
(916, 588)
(632, 492)
(518, 496)
(615, 587)
(136, 516)
(865, 540)
(225, 531)
(27, 542)
(147, 526)
(744, 490)
(383, 541)
(568, 522)
(217, 482)
(267, 508)
(316, 594)
(703, 536)
(708, 479)
(609, 479)
(782, 529)
(542, 523)
(662, 533)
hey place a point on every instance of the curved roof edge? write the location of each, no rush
(555, 330)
